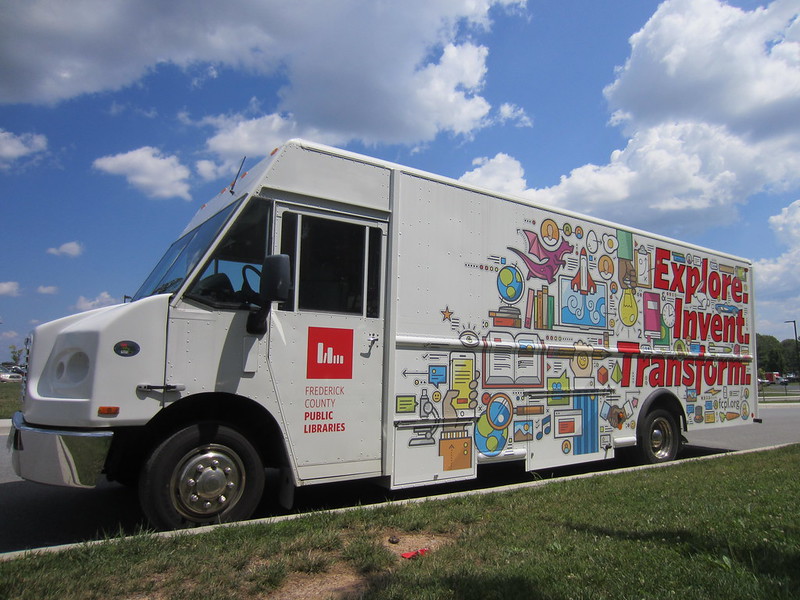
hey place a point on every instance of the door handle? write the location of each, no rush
(372, 338)
(146, 387)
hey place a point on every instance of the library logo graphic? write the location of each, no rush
(330, 353)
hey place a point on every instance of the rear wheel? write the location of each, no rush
(659, 438)
(204, 473)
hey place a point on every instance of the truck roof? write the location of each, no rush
(357, 179)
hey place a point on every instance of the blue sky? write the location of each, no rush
(119, 119)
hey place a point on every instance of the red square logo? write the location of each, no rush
(330, 353)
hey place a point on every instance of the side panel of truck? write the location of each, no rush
(528, 334)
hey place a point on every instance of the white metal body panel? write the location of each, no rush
(333, 420)
(313, 173)
(207, 351)
(84, 361)
(550, 331)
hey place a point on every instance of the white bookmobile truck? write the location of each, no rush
(340, 317)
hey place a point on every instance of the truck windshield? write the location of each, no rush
(183, 256)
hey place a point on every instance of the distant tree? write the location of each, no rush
(16, 353)
(790, 355)
(770, 354)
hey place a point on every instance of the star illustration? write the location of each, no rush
(447, 314)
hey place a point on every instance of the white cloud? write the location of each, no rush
(71, 249)
(118, 108)
(47, 289)
(208, 73)
(208, 169)
(9, 288)
(677, 177)
(787, 223)
(709, 98)
(102, 299)
(14, 147)
(700, 97)
(707, 61)
(400, 84)
(447, 90)
(148, 171)
(501, 173)
(514, 114)
(780, 276)
(439, 97)
(53, 51)
(237, 135)
(9, 335)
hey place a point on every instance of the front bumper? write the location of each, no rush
(72, 458)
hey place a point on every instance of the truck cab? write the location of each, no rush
(239, 351)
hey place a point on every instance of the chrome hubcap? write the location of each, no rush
(661, 438)
(208, 481)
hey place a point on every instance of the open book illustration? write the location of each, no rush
(510, 361)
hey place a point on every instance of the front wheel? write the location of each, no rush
(204, 473)
(659, 438)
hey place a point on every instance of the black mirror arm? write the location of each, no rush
(257, 320)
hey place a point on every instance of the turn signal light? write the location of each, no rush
(108, 411)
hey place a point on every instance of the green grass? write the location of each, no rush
(724, 528)
(9, 399)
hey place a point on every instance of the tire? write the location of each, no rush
(659, 438)
(204, 473)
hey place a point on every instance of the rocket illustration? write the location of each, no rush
(583, 282)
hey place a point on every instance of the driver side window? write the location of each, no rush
(231, 277)
(339, 266)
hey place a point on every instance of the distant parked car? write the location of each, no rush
(6, 376)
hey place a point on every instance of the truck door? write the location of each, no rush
(208, 347)
(326, 343)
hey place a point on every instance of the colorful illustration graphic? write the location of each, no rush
(563, 339)
(547, 261)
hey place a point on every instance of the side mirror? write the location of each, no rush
(275, 287)
(275, 279)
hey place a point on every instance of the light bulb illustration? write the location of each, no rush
(628, 309)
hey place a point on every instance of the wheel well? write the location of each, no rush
(665, 400)
(131, 446)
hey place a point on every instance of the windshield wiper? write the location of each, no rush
(166, 287)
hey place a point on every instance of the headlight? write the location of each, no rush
(72, 368)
